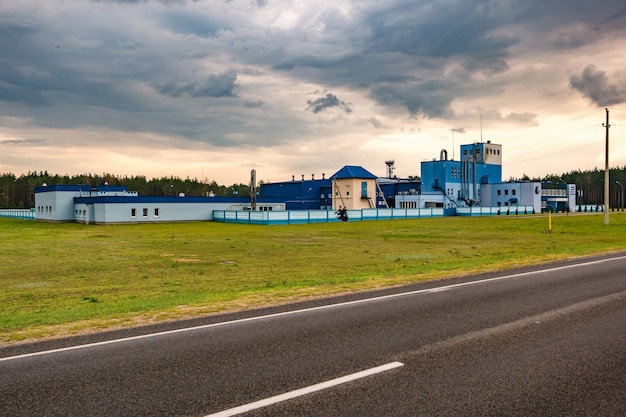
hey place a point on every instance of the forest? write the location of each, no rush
(18, 191)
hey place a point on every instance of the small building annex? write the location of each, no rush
(115, 204)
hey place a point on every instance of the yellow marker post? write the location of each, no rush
(549, 221)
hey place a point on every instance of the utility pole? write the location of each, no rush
(606, 170)
(253, 190)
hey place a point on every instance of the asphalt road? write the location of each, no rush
(524, 343)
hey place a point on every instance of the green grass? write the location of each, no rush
(64, 279)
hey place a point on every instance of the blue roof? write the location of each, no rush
(352, 171)
(59, 187)
(163, 200)
(82, 187)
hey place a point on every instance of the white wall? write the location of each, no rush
(529, 195)
(55, 205)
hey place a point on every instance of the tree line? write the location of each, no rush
(19, 192)
(590, 185)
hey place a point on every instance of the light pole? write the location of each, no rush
(622, 195)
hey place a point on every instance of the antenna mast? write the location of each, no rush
(481, 127)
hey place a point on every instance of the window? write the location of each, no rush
(133, 212)
(156, 212)
(499, 192)
(512, 192)
(506, 192)
(145, 212)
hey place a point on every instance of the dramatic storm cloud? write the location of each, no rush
(327, 102)
(216, 85)
(215, 88)
(596, 85)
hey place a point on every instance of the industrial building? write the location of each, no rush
(449, 186)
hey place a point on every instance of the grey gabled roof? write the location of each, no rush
(352, 171)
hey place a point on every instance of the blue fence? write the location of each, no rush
(26, 214)
(590, 208)
(319, 216)
(494, 211)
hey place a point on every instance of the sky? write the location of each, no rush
(212, 89)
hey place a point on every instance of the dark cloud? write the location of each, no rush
(595, 85)
(576, 37)
(461, 29)
(216, 85)
(327, 102)
(431, 99)
(11, 30)
(187, 23)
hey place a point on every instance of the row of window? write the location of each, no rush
(490, 151)
(144, 212)
(506, 192)
(44, 209)
(455, 172)
(554, 192)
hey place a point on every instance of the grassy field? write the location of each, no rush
(64, 279)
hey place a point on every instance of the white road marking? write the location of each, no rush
(307, 390)
(306, 310)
